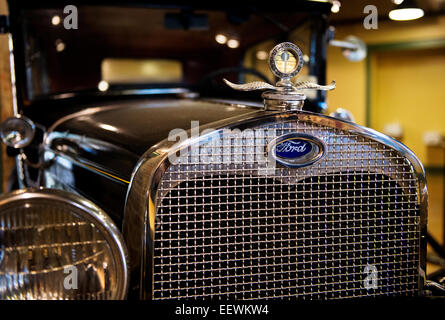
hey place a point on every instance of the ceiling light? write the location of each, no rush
(108, 127)
(408, 10)
(55, 20)
(60, 45)
(335, 6)
(221, 39)
(103, 86)
(233, 43)
(261, 55)
(397, 2)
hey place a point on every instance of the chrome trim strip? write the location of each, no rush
(92, 213)
(140, 206)
(85, 112)
(123, 92)
(84, 164)
(151, 91)
(15, 108)
(236, 103)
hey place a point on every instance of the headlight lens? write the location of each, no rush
(57, 245)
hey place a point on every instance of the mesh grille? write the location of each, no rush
(224, 230)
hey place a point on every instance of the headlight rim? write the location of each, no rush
(91, 213)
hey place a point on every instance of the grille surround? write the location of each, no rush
(148, 177)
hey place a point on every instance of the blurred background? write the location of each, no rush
(398, 89)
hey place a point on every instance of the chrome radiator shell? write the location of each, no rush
(144, 193)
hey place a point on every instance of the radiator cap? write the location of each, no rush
(285, 62)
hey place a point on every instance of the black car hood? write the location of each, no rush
(114, 137)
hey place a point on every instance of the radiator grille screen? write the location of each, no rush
(347, 226)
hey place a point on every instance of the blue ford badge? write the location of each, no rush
(296, 149)
(293, 148)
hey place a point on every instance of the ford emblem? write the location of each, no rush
(296, 150)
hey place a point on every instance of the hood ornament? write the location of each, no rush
(285, 61)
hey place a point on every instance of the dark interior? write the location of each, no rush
(127, 32)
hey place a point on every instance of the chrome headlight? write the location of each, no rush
(57, 245)
(17, 132)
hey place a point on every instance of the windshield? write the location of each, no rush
(128, 47)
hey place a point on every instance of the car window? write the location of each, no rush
(139, 45)
(125, 70)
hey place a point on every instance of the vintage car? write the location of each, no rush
(183, 185)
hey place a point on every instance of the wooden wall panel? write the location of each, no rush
(5, 98)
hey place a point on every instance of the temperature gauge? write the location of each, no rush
(286, 60)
